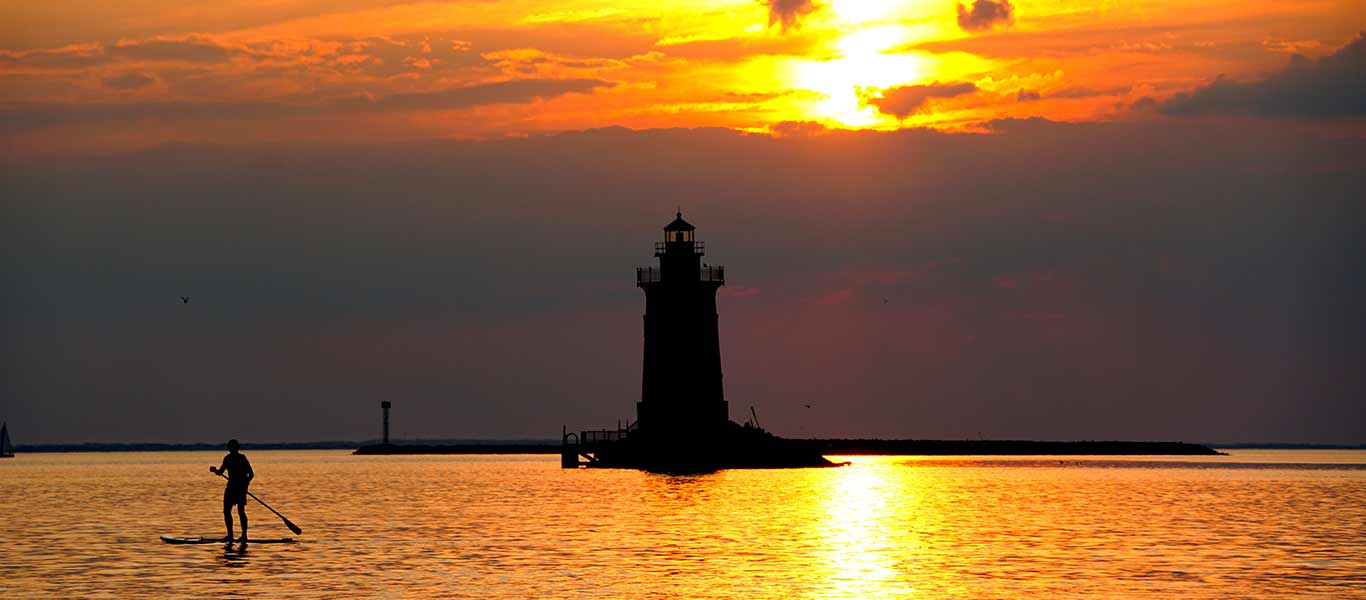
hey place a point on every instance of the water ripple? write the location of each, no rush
(1266, 525)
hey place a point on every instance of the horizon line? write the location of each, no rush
(149, 446)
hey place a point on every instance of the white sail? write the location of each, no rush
(5, 448)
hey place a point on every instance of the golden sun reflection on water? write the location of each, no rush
(1198, 528)
(857, 517)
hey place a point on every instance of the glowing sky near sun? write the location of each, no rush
(152, 71)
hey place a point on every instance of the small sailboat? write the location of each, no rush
(6, 449)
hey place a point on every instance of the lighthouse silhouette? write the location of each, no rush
(681, 393)
(682, 420)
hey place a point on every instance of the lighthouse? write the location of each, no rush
(682, 420)
(681, 393)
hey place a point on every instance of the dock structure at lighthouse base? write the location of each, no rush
(733, 446)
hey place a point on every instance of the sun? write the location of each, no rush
(862, 64)
(868, 47)
(857, 12)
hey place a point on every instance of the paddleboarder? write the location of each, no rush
(239, 475)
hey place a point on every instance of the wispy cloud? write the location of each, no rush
(190, 49)
(26, 117)
(130, 80)
(1071, 93)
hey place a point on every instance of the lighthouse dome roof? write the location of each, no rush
(679, 224)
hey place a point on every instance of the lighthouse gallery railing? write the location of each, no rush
(697, 247)
(707, 274)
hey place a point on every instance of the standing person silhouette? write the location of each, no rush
(239, 474)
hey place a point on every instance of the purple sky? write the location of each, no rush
(1174, 279)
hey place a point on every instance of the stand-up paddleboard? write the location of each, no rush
(172, 539)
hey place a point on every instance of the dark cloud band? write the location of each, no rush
(1333, 86)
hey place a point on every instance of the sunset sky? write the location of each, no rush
(1036, 219)
(145, 72)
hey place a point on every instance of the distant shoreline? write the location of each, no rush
(829, 446)
(205, 446)
(869, 447)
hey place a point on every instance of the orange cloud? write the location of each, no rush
(788, 13)
(28, 117)
(904, 101)
(985, 14)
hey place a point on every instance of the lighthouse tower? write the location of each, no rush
(681, 394)
(682, 422)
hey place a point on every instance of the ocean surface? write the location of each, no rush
(1255, 524)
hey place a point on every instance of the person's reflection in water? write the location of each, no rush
(234, 555)
(239, 475)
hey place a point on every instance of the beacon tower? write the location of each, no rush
(682, 421)
(681, 392)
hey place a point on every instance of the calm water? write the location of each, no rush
(1258, 524)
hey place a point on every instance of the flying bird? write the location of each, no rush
(185, 299)
(807, 405)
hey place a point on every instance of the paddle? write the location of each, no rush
(288, 523)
